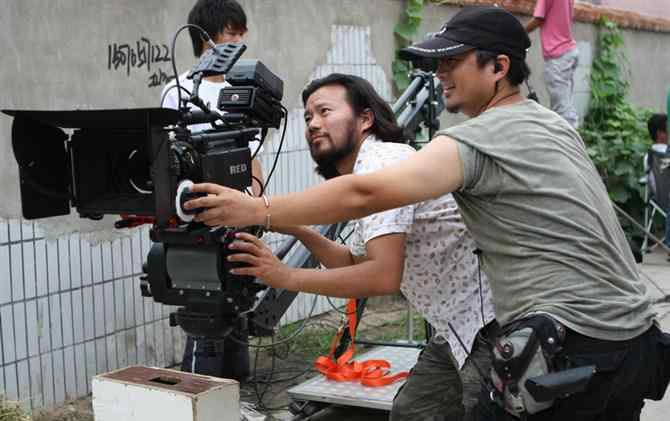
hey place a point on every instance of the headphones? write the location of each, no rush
(496, 67)
(531, 92)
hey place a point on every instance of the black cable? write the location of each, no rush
(334, 307)
(344, 240)
(260, 183)
(264, 134)
(168, 90)
(478, 253)
(330, 302)
(267, 385)
(176, 74)
(294, 335)
(465, 348)
(281, 143)
(205, 37)
(284, 380)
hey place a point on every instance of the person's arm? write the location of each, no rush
(328, 252)
(433, 171)
(379, 274)
(257, 181)
(533, 24)
(539, 13)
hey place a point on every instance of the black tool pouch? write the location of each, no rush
(524, 372)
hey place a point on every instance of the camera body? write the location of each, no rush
(132, 162)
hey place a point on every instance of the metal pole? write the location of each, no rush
(640, 227)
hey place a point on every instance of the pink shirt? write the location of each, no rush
(556, 30)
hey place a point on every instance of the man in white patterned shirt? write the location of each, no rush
(423, 250)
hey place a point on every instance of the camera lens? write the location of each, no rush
(185, 161)
(138, 172)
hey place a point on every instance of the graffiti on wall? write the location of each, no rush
(141, 55)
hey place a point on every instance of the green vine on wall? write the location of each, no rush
(614, 131)
(406, 31)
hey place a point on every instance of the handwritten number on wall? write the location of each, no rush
(144, 54)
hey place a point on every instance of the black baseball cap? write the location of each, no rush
(483, 27)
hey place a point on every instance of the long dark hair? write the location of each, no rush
(362, 96)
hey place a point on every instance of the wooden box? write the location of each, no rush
(140, 393)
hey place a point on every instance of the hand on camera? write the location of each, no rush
(224, 206)
(264, 265)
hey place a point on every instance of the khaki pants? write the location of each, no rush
(559, 75)
(436, 390)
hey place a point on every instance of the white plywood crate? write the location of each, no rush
(140, 393)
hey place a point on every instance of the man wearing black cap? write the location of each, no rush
(552, 247)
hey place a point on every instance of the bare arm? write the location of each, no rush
(328, 252)
(256, 171)
(433, 171)
(379, 274)
(533, 24)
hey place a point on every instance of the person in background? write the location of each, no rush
(559, 49)
(658, 131)
(224, 21)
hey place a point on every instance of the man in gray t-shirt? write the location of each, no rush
(551, 244)
(535, 203)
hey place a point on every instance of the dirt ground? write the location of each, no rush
(274, 372)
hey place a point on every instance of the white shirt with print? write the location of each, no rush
(441, 278)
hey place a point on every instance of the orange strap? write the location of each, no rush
(371, 373)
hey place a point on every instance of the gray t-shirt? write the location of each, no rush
(538, 210)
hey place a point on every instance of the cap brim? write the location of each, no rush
(434, 48)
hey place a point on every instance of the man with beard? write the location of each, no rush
(422, 250)
(551, 244)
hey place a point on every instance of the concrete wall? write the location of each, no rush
(69, 304)
(56, 55)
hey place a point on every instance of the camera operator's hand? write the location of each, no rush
(225, 206)
(263, 263)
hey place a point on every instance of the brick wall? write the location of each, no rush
(653, 8)
(584, 12)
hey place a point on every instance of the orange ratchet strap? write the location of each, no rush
(373, 373)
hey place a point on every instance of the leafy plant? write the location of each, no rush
(614, 130)
(405, 32)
